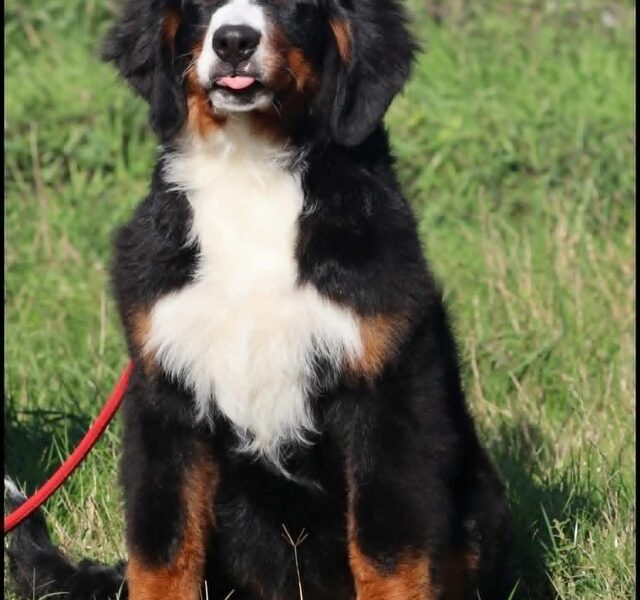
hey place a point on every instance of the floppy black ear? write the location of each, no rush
(368, 66)
(141, 45)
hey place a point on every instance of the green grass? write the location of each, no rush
(515, 143)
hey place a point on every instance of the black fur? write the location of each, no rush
(142, 56)
(405, 440)
(36, 564)
(356, 95)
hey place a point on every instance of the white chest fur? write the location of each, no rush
(244, 335)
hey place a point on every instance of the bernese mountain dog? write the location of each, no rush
(295, 426)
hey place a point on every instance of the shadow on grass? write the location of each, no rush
(34, 441)
(532, 495)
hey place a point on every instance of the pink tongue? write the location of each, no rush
(236, 83)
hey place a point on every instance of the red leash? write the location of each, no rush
(79, 454)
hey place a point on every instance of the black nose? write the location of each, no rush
(235, 43)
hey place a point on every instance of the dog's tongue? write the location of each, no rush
(236, 83)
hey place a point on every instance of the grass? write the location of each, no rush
(515, 142)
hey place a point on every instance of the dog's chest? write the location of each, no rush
(245, 337)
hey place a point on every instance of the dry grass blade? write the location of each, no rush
(302, 536)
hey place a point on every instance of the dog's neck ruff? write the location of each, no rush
(245, 337)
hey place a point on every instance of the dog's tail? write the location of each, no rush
(38, 568)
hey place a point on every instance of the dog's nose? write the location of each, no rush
(235, 43)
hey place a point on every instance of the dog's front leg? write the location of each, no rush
(401, 573)
(389, 537)
(170, 481)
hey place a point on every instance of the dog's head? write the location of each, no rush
(332, 65)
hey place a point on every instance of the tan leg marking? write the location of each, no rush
(184, 576)
(409, 580)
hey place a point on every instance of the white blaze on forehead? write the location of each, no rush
(238, 12)
(235, 12)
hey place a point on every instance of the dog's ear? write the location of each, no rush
(142, 46)
(367, 63)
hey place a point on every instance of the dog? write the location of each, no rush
(295, 425)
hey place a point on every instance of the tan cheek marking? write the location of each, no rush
(295, 78)
(342, 33)
(381, 335)
(288, 70)
(201, 119)
(183, 577)
(304, 76)
(410, 580)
